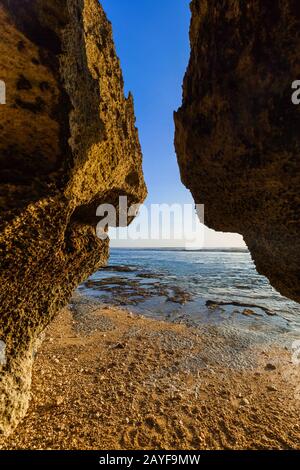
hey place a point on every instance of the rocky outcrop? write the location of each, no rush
(237, 132)
(68, 143)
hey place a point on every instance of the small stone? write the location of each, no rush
(59, 401)
(119, 346)
(248, 312)
(271, 388)
(245, 401)
(270, 366)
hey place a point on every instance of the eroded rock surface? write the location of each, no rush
(68, 143)
(237, 132)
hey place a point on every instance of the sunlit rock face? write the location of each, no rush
(237, 132)
(68, 144)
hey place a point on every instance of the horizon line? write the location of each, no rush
(174, 248)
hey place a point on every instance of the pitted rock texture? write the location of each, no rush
(237, 132)
(68, 144)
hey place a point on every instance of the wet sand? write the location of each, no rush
(105, 378)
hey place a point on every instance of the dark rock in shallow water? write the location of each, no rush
(179, 296)
(119, 269)
(237, 132)
(213, 304)
(68, 144)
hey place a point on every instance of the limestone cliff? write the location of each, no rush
(237, 132)
(68, 143)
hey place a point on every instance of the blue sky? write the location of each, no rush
(151, 38)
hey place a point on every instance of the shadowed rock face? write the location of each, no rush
(68, 143)
(237, 132)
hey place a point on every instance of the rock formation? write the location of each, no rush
(68, 143)
(237, 132)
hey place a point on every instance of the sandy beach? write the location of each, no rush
(106, 378)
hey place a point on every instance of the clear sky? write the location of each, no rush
(151, 38)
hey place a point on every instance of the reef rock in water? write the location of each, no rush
(68, 144)
(237, 132)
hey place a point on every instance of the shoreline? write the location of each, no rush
(107, 378)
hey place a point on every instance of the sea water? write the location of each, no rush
(201, 286)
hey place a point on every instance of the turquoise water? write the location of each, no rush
(171, 284)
